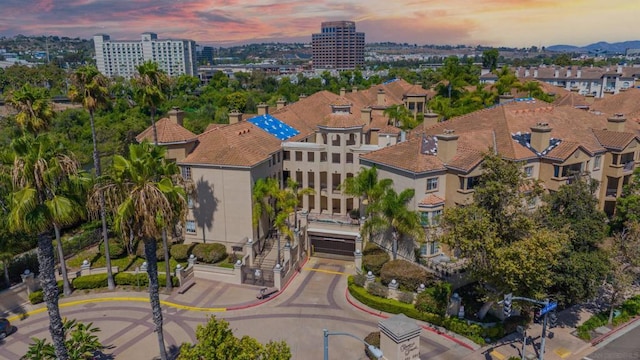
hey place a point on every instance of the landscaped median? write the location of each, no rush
(472, 331)
(629, 309)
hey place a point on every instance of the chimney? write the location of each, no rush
(365, 115)
(176, 115)
(381, 97)
(505, 98)
(343, 91)
(535, 73)
(235, 117)
(447, 145)
(430, 119)
(354, 89)
(263, 109)
(579, 73)
(619, 69)
(281, 103)
(540, 137)
(569, 71)
(526, 73)
(556, 73)
(616, 122)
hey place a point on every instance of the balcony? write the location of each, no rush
(612, 193)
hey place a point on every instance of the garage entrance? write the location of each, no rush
(333, 245)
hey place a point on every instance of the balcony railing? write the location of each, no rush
(612, 192)
(628, 166)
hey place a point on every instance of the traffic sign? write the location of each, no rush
(549, 307)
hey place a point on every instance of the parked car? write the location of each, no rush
(5, 328)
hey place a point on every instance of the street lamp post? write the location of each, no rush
(376, 352)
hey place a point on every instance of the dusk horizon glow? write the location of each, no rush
(511, 23)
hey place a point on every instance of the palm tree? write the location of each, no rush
(295, 194)
(507, 80)
(42, 175)
(35, 111)
(400, 116)
(149, 89)
(263, 191)
(90, 88)
(144, 198)
(391, 213)
(366, 186)
(530, 87)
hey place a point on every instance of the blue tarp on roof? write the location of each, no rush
(274, 126)
(390, 81)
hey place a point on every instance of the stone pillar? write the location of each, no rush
(144, 266)
(29, 279)
(85, 268)
(454, 305)
(248, 249)
(237, 272)
(370, 278)
(358, 258)
(399, 338)
(359, 244)
(277, 277)
(192, 260)
(178, 273)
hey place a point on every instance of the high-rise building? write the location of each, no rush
(338, 46)
(205, 55)
(120, 57)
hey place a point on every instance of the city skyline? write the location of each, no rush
(514, 23)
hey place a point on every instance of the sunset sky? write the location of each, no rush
(519, 23)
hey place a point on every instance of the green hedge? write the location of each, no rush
(181, 252)
(37, 296)
(628, 309)
(121, 279)
(210, 253)
(90, 281)
(373, 258)
(473, 331)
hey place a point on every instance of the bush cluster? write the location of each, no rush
(116, 249)
(472, 331)
(373, 257)
(159, 251)
(210, 253)
(377, 289)
(408, 274)
(181, 252)
(90, 281)
(628, 309)
(37, 296)
(406, 297)
(372, 339)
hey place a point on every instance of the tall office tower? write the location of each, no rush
(120, 58)
(338, 46)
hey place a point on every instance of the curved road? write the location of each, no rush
(314, 300)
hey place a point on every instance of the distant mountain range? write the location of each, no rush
(601, 47)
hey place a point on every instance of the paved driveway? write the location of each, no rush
(314, 300)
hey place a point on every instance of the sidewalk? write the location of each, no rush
(561, 343)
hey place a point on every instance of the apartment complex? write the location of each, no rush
(121, 57)
(338, 46)
(595, 82)
(325, 138)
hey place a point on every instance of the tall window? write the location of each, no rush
(190, 226)
(186, 172)
(597, 161)
(432, 184)
(528, 171)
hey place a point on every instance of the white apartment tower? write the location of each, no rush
(120, 58)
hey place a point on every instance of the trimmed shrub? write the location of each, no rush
(159, 250)
(408, 274)
(94, 281)
(130, 279)
(405, 297)
(210, 253)
(359, 279)
(372, 339)
(377, 289)
(373, 258)
(116, 249)
(426, 303)
(181, 252)
(37, 296)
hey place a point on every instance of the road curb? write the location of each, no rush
(604, 337)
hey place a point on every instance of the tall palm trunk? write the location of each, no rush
(50, 292)
(66, 286)
(154, 296)
(153, 125)
(394, 246)
(167, 265)
(103, 213)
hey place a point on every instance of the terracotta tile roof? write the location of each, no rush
(213, 127)
(406, 156)
(168, 132)
(341, 101)
(625, 102)
(377, 122)
(416, 90)
(563, 150)
(240, 144)
(466, 159)
(431, 200)
(389, 129)
(613, 139)
(571, 98)
(342, 120)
